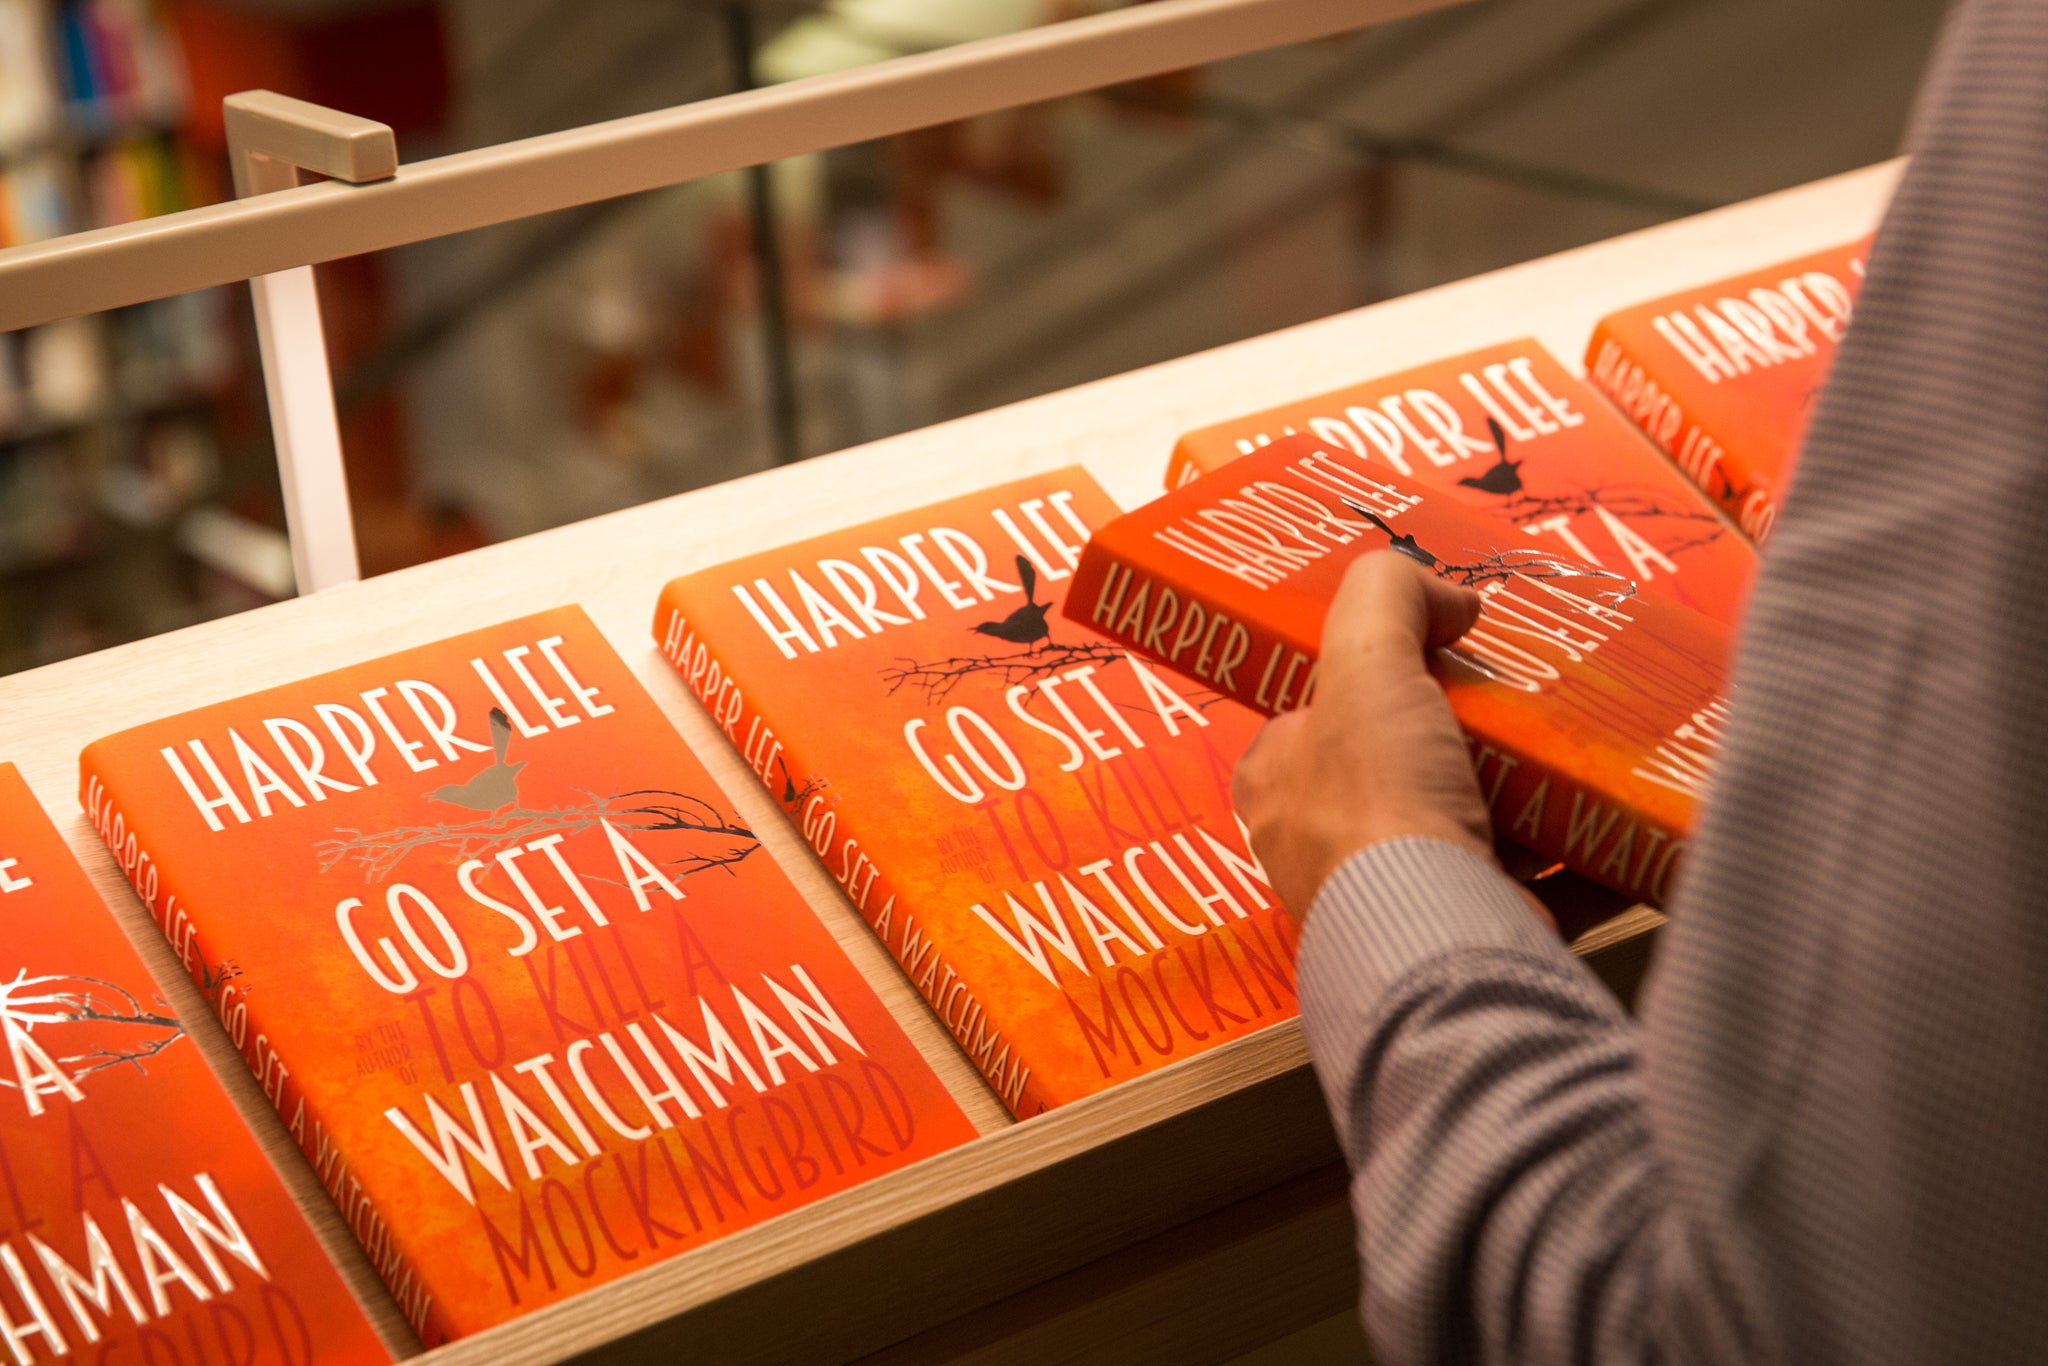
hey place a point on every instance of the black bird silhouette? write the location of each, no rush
(1400, 545)
(788, 783)
(1027, 623)
(1503, 476)
(497, 787)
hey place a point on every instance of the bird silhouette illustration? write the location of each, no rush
(788, 783)
(1400, 545)
(1503, 476)
(1027, 624)
(497, 787)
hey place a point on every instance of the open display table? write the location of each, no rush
(1186, 1216)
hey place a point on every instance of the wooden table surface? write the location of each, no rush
(905, 1257)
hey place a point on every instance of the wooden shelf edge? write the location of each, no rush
(1202, 1293)
(864, 1268)
(932, 1245)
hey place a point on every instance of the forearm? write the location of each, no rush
(1486, 1091)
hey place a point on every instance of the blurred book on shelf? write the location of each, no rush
(28, 92)
(33, 201)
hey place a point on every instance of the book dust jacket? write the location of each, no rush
(1724, 377)
(1508, 431)
(1036, 824)
(139, 1219)
(536, 1004)
(1594, 711)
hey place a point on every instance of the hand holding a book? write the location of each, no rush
(1376, 754)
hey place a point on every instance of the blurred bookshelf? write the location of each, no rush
(138, 489)
(113, 427)
(499, 382)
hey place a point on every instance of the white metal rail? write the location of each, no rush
(272, 141)
(282, 226)
(222, 243)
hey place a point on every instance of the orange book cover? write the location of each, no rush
(1594, 711)
(1036, 825)
(533, 1000)
(1723, 378)
(1508, 430)
(139, 1220)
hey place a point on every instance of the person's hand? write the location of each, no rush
(1376, 754)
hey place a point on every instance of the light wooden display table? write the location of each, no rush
(1185, 1216)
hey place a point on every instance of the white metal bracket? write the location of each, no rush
(272, 141)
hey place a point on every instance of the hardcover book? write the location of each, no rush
(1037, 825)
(1594, 711)
(139, 1220)
(1511, 432)
(534, 1001)
(1723, 378)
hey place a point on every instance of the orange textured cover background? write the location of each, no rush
(1590, 486)
(1129, 990)
(255, 909)
(1735, 434)
(146, 1113)
(1560, 751)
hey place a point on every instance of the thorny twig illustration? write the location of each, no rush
(29, 1003)
(1043, 659)
(1701, 525)
(1501, 566)
(649, 810)
(1201, 699)
(794, 794)
(1504, 479)
(1728, 492)
(212, 978)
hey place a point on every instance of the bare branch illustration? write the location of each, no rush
(213, 977)
(1728, 492)
(30, 1003)
(1501, 566)
(1043, 659)
(649, 810)
(794, 794)
(1692, 526)
(1201, 699)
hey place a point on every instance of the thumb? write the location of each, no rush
(1451, 610)
(1388, 604)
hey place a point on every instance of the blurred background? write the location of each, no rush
(503, 381)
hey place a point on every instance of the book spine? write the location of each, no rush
(107, 38)
(832, 835)
(1190, 632)
(1597, 834)
(238, 1012)
(1209, 449)
(1618, 372)
(1182, 466)
(83, 81)
(1533, 801)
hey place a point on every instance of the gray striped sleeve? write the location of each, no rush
(1365, 932)
(1823, 1143)
(1486, 1089)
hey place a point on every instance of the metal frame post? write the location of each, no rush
(272, 141)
